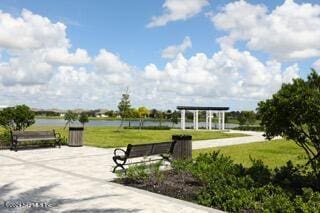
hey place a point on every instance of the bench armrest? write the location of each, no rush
(14, 137)
(118, 149)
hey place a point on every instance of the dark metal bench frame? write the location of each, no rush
(17, 135)
(121, 160)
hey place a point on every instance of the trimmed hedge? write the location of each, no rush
(148, 127)
(249, 128)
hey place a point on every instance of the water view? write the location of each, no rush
(61, 122)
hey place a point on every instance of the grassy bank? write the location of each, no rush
(108, 137)
(272, 153)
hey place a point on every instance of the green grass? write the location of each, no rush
(108, 137)
(273, 153)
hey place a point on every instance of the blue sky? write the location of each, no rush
(121, 28)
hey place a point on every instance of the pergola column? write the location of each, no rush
(219, 120)
(210, 120)
(195, 119)
(223, 120)
(183, 119)
(207, 120)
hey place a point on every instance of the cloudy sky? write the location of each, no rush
(84, 54)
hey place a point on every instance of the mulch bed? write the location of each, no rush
(178, 185)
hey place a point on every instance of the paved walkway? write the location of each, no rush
(78, 180)
(253, 137)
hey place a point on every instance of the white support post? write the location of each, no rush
(194, 119)
(219, 120)
(223, 120)
(207, 120)
(183, 119)
(210, 120)
(197, 120)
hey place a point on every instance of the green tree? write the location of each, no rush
(83, 118)
(70, 117)
(174, 118)
(247, 118)
(124, 107)
(160, 116)
(142, 113)
(17, 118)
(294, 112)
(132, 114)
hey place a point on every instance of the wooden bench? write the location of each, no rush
(18, 137)
(164, 149)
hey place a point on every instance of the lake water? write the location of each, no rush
(61, 122)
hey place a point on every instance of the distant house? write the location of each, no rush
(101, 113)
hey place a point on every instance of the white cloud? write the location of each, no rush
(49, 75)
(229, 73)
(174, 50)
(110, 63)
(290, 32)
(175, 10)
(62, 56)
(35, 47)
(31, 31)
(25, 69)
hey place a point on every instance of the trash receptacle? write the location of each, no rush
(183, 147)
(75, 136)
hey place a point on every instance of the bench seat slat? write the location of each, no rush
(164, 149)
(26, 136)
(140, 151)
(35, 139)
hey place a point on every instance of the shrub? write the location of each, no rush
(259, 172)
(16, 118)
(231, 187)
(143, 172)
(137, 173)
(4, 139)
(250, 128)
(309, 201)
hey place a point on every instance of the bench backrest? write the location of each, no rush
(141, 150)
(33, 134)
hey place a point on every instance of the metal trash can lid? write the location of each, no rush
(76, 128)
(181, 137)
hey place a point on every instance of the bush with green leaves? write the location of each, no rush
(17, 118)
(234, 188)
(249, 128)
(294, 113)
(143, 172)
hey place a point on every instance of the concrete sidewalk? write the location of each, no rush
(79, 180)
(253, 137)
(75, 180)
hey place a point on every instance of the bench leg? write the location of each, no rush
(14, 146)
(118, 164)
(115, 168)
(58, 142)
(167, 158)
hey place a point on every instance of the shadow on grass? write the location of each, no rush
(52, 204)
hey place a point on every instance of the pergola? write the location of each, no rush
(220, 111)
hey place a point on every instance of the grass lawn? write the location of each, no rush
(107, 137)
(273, 153)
